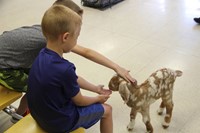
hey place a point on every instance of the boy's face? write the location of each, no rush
(71, 40)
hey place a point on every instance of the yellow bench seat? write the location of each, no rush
(29, 125)
(7, 97)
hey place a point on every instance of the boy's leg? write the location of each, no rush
(21, 110)
(23, 105)
(89, 115)
(14, 79)
(106, 124)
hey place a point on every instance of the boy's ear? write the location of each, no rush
(65, 36)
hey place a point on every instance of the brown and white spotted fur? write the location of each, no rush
(140, 97)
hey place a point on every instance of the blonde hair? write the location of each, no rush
(70, 4)
(58, 20)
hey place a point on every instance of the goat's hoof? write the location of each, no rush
(165, 127)
(129, 129)
(160, 113)
(149, 131)
(130, 126)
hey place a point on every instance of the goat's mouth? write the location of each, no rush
(113, 89)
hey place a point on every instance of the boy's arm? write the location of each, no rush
(91, 87)
(102, 60)
(81, 100)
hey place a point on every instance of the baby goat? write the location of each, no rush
(140, 97)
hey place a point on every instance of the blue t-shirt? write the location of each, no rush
(51, 85)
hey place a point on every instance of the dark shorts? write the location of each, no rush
(14, 79)
(89, 115)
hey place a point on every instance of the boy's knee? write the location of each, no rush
(108, 110)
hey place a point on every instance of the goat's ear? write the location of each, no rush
(178, 73)
(124, 92)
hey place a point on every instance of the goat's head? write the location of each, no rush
(115, 82)
(119, 84)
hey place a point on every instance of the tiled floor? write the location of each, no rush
(140, 35)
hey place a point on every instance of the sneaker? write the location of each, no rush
(9, 109)
(15, 118)
(197, 20)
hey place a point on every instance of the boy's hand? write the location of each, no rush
(101, 90)
(103, 98)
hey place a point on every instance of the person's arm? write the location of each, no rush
(102, 60)
(91, 87)
(81, 100)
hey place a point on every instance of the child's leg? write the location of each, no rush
(16, 80)
(90, 115)
(22, 106)
(106, 124)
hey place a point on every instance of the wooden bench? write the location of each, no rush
(29, 125)
(8, 96)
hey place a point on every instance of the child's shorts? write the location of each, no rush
(89, 115)
(14, 79)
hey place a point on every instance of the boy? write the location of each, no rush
(19, 47)
(54, 96)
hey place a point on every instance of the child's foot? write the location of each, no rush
(9, 109)
(15, 118)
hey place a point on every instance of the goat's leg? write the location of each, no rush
(161, 108)
(132, 119)
(146, 120)
(167, 118)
